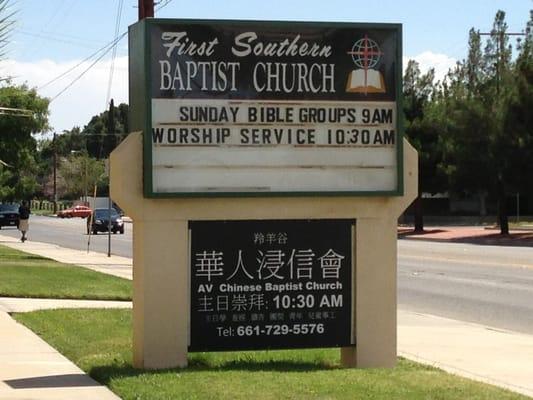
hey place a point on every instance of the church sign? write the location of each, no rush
(268, 108)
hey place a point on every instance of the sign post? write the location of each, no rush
(264, 186)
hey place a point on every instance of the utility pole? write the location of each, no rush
(55, 173)
(501, 35)
(146, 9)
(111, 131)
(85, 180)
(517, 207)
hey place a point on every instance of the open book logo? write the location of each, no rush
(366, 54)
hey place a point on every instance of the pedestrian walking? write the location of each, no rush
(24, 220)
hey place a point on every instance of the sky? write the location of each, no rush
(52, 36)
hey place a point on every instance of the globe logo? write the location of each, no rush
(365, 53)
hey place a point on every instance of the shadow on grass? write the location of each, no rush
(64, 296)
(28, 256)
(21, 256)
(267, 365)
(104, 374)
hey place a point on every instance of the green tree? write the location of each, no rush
(498, 55)
(6, 25)
(64, 144)
(465, 122)
(518, 117)
(105, 131)
(80, 174)
(6, 191)
(17, 143)
(486, 148)
(418, 92)
(97, 139)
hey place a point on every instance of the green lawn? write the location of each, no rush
(521, 225)
(42, 212)
(27, 275)
(99, 341)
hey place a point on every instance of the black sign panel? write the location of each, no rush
(271, 284)
(278, 61)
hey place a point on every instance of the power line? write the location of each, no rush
(86, 69)
(102, 134)
(112, 68)
(37, 43)
(114, 54)
(107, 46)
(62, 16)
(105, 50)
(16, 112)
(53, 37)
(499, 36)
(54, 14)
(167, 2)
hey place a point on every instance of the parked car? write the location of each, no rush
(100, 221)
(76, 211)
(9, 215)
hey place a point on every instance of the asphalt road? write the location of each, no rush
(72, 233)
(490, 285)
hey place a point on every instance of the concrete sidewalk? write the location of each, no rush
(478, 352)
(31, 369)
(114, 265)
(499, 357)
(18, 305)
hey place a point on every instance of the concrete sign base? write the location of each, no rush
(161, 301)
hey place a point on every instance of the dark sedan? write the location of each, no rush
(99, 221)
(9, 215)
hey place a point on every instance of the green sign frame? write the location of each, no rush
(140, 97)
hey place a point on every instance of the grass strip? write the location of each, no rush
(42, 212)
(28, 275)
(99, 341)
